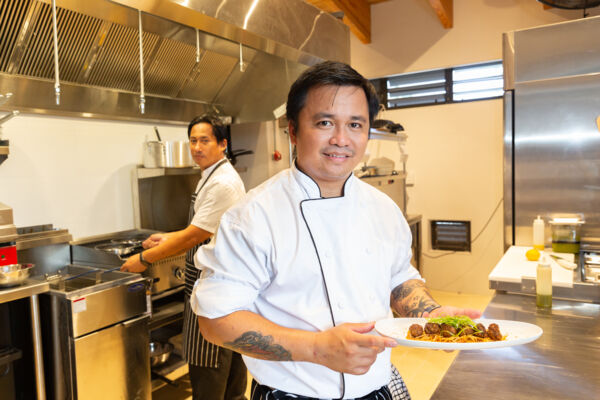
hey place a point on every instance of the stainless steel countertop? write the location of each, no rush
(30, 287)
(561, 364)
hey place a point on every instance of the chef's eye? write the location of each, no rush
(193, 141)
(355, 125)
(324, 123)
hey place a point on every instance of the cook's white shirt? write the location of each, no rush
(266, 259)
(220, 192)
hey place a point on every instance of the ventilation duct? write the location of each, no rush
(237, 57)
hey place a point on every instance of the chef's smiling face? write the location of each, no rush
(204, 146)
(331, 135)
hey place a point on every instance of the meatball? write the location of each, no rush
(480, 334)
(432, 328)
(466, 331)
(493, 332)
(447, 330)
(416, 330)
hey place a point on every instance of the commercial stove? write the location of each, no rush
(112, 249)
(166, 300)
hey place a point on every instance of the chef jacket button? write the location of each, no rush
(341, 305)
(372, 297)
(368, 250)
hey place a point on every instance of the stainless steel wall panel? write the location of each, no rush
(508, 60)
(558, 50)
(557, 151)
(508, 169)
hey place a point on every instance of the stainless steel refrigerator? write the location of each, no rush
(551, 127)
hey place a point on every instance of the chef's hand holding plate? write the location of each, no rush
(133, 264)
(350, 348)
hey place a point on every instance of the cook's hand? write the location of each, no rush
(133, 264)
(348, 348)
(448, 311)
(154, 240)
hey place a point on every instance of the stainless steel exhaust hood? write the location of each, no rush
(238, 57)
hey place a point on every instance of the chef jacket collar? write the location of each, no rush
(311, 188)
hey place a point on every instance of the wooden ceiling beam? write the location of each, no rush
(357, 15)
(444, 10)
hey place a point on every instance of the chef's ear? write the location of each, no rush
(292, 131)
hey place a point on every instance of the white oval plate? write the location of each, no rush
(516, 333)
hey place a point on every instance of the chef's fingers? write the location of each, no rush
(379, 343)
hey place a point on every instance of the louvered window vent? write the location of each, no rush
(451, 235)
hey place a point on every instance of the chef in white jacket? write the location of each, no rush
(302, 268)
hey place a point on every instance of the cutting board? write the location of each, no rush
(513, 266)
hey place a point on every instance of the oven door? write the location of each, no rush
(114, 363)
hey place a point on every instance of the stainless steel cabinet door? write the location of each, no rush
(114, 363)
(556, 151)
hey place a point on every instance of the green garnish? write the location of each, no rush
(458, 322)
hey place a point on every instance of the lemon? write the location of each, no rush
(533, 254)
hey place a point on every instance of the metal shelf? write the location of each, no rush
(165, 315)
(143, 173)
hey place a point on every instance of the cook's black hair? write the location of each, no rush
(328, 73)
(218, 129)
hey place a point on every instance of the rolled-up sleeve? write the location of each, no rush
(235, 268)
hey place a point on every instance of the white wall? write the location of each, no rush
(76, 173)
(455, 150)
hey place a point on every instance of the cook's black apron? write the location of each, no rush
(196, 350)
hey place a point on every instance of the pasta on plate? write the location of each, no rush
(457, 329)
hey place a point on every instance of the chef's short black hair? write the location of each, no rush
(218, 128)
(328, 73)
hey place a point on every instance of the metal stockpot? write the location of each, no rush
(167, 154)
(177, 154)
(154, 154)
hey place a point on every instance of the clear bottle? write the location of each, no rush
(543, 283)
(538, 233)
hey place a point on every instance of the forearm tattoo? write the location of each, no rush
(257, 345)
(412, 299)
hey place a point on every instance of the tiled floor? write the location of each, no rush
(421, 369)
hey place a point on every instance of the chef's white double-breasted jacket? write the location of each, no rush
(297, 259)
